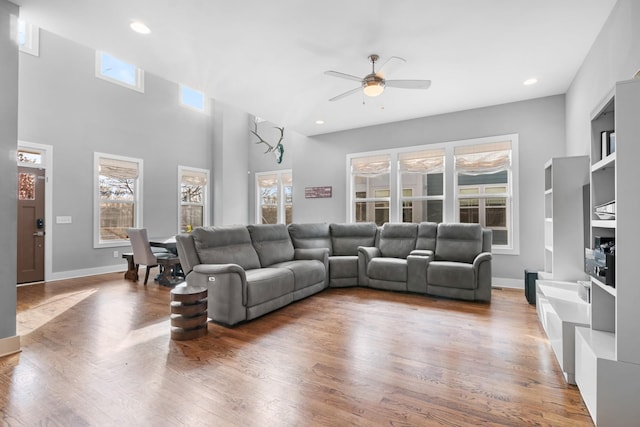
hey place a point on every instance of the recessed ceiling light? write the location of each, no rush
(139, 27)
(530, 81)
(319, 122)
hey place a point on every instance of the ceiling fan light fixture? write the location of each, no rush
(372, 85)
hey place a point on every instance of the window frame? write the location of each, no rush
(450, 198)
(206, 213)
(139, 73)
(281, 204)
(137, 199)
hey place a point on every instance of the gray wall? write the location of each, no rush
(8, 171)
(230, 165)
(614, 56)
(321, 161)
(64, 105)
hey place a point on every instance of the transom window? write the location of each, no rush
(192, 98)
(119, 72)
(28, 38)
(194, 201)
(118, 195)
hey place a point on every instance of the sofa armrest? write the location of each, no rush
(482, 267)
(365, 254)
(422, 252)
(219, 269)
(227, 285)
(480, 258)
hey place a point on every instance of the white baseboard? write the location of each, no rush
(72, 274)
(9, 345)
(503, 282)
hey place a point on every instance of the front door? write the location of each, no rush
(31, 227)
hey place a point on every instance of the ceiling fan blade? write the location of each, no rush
(345, 94)
(409, 84)
(343, 76)
(388, 67)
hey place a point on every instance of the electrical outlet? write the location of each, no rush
(115, 254)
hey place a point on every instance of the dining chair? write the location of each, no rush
(143, 255)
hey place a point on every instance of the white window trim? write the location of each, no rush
(281, 197)
(137, 216)
(191, 107)
(32, 39)
(450, 179)
(205, 194)
(138, 87)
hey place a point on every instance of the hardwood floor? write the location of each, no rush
(97, 351)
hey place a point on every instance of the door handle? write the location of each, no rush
(39, 234)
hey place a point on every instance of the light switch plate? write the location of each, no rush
(63, 220)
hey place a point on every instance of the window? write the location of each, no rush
(28, 38)
(192, 98)
(118, 195)
(421, 178)
(468, 181)
(274, 202)
(483, 183)
(371, 189)
(194, 205)
(120, 72)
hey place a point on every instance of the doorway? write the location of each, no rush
(34, 237)
(31, 225)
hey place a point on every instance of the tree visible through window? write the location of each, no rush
(274, 192)
(118, 188)
(193, 198)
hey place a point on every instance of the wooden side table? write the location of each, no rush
(188, 312)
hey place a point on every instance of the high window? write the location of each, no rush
(119, 72)
(483, 188)
(194, 201)
(192, 98)
(28, 38)
(118, 196)
(462, 181)
(274, 197)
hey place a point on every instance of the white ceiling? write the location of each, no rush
(268, 57)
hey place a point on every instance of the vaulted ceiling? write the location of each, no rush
(268, 57)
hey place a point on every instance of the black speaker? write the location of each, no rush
(530, 286)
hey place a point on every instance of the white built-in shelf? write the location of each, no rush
(604, 223)
(603, 344)
(608, 289)
(605, 163)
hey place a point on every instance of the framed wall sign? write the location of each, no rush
(317, 192)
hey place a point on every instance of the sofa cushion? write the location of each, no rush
(343, 266)
(458, 242)
(225, 245)
(427, 232)
(397, 240)
(272, 243)
(451, 274)
(391, 269)
(345, 238)
(310, 236)
(265, 284)
(306, 272)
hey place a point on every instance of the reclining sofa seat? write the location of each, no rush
(461, 267)
(395, 264)
(245, 282)
(342, 240)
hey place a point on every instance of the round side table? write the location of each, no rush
(188, 312)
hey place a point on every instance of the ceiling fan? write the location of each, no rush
(373, 84)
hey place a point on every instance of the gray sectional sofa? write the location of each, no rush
(255, 269)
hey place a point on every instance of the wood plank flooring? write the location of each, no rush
(96, 351)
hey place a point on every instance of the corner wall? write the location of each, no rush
(9, 342)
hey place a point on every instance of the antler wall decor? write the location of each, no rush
(277, 149)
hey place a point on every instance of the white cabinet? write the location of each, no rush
(564, 228)
(607, 364)
(560, 310)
